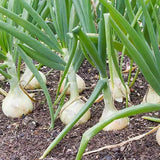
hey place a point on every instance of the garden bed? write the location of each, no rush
(26, 138)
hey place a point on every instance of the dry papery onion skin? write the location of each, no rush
(71, 109)
(80, 83)
(158, 136)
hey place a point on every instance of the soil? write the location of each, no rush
(26, 138)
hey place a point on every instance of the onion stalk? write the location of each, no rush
(16, 103)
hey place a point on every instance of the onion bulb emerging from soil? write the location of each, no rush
(70, 111)
(118, 90)
(80, 84)
(151, 96)
(109, 109)
(71, 108)
(33, 84)
(16, 103)
(158, 136)
(116, 124)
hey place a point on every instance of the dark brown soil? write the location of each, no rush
(26, 138)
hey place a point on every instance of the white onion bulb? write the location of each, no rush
(16, 103)
(158, 136)
(80, 83)
(70, 110)
(33, 84)
(1, 77)
(116, 124)
(151, 97)
(118, 91)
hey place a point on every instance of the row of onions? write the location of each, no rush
(60, 35)
(16, 102)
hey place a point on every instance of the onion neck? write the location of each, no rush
(73, 83)
(71, 78)
(115, 74)
(14, 83)
(108, 101)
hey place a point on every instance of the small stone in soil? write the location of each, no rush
(24, 158)
(26, 120)
(122, 148)
(33, 125)
(107, 158)
(15, 158)
(115, 149)
(1, 132)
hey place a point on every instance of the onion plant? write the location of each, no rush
(16, 103)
